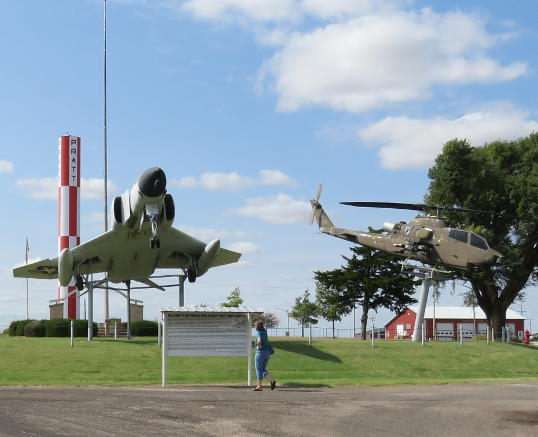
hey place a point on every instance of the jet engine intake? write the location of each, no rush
(65, 267)
(389, 227)
(169, 208)
(118, 210)
(424, 233)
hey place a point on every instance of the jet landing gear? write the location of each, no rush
(79, 283)
(191, 275)
(154, 242)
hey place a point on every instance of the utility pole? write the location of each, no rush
(287, 314)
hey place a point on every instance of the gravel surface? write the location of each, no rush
(441, 410)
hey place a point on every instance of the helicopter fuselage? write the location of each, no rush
(427, 239)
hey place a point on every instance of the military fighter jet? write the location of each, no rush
(427, 238)
(142, 239)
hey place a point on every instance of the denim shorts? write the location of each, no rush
(262, 358)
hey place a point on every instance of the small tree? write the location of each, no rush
(304, 311)
(234, 299)
(331, 307)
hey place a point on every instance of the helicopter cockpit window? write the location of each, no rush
(476, 241)
(458, 235)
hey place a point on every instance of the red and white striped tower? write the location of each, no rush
(68, 214)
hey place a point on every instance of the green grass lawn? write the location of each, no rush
(50, 361)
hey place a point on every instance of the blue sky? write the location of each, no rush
(248, 105)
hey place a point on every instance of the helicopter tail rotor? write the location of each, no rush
(315, 202)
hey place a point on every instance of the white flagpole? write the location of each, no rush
(105, 140)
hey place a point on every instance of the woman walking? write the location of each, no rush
(262, 356)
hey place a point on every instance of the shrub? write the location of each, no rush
(62, 328)
(12, 330)
(144, 328)
(57, 328)
(81, 328)
(36, 328)
(17, 327)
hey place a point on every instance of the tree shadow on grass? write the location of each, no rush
(305, 349)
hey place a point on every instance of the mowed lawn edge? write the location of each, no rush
(328, 362)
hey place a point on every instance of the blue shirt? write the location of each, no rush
(263, 336)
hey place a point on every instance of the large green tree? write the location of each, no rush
(370, 279)
(501, 177)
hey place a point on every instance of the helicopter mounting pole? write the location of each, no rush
(429, 275)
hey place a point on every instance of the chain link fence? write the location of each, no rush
(506, 334)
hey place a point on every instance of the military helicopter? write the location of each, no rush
(425, 238)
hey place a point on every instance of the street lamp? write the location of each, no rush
(288, 314)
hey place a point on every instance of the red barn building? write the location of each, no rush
(448, 321)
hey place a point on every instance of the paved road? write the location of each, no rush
(438, 410)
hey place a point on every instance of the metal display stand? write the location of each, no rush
(429, 275)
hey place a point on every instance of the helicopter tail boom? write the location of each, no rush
(322, 219)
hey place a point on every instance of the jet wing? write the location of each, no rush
(92, 257)
(180, 248)
(44, 269)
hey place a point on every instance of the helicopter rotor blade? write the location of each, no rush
(413, 207)
(391, 205)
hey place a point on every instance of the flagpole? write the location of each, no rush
(105, 140)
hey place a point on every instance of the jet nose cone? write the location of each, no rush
(152, 183)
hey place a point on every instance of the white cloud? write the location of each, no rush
(375, 60)
(244, 247)
(6, 166)
(368, 54)
(240, 10)
(280, 209)
(47, 188)
(40, 188)
(415, 142)
(327, 9)
(217, 181)
(233, 181)
(208, 234)
(278, 11)
(275, 177)
(93, 188)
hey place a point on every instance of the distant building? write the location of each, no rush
(448, 321)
